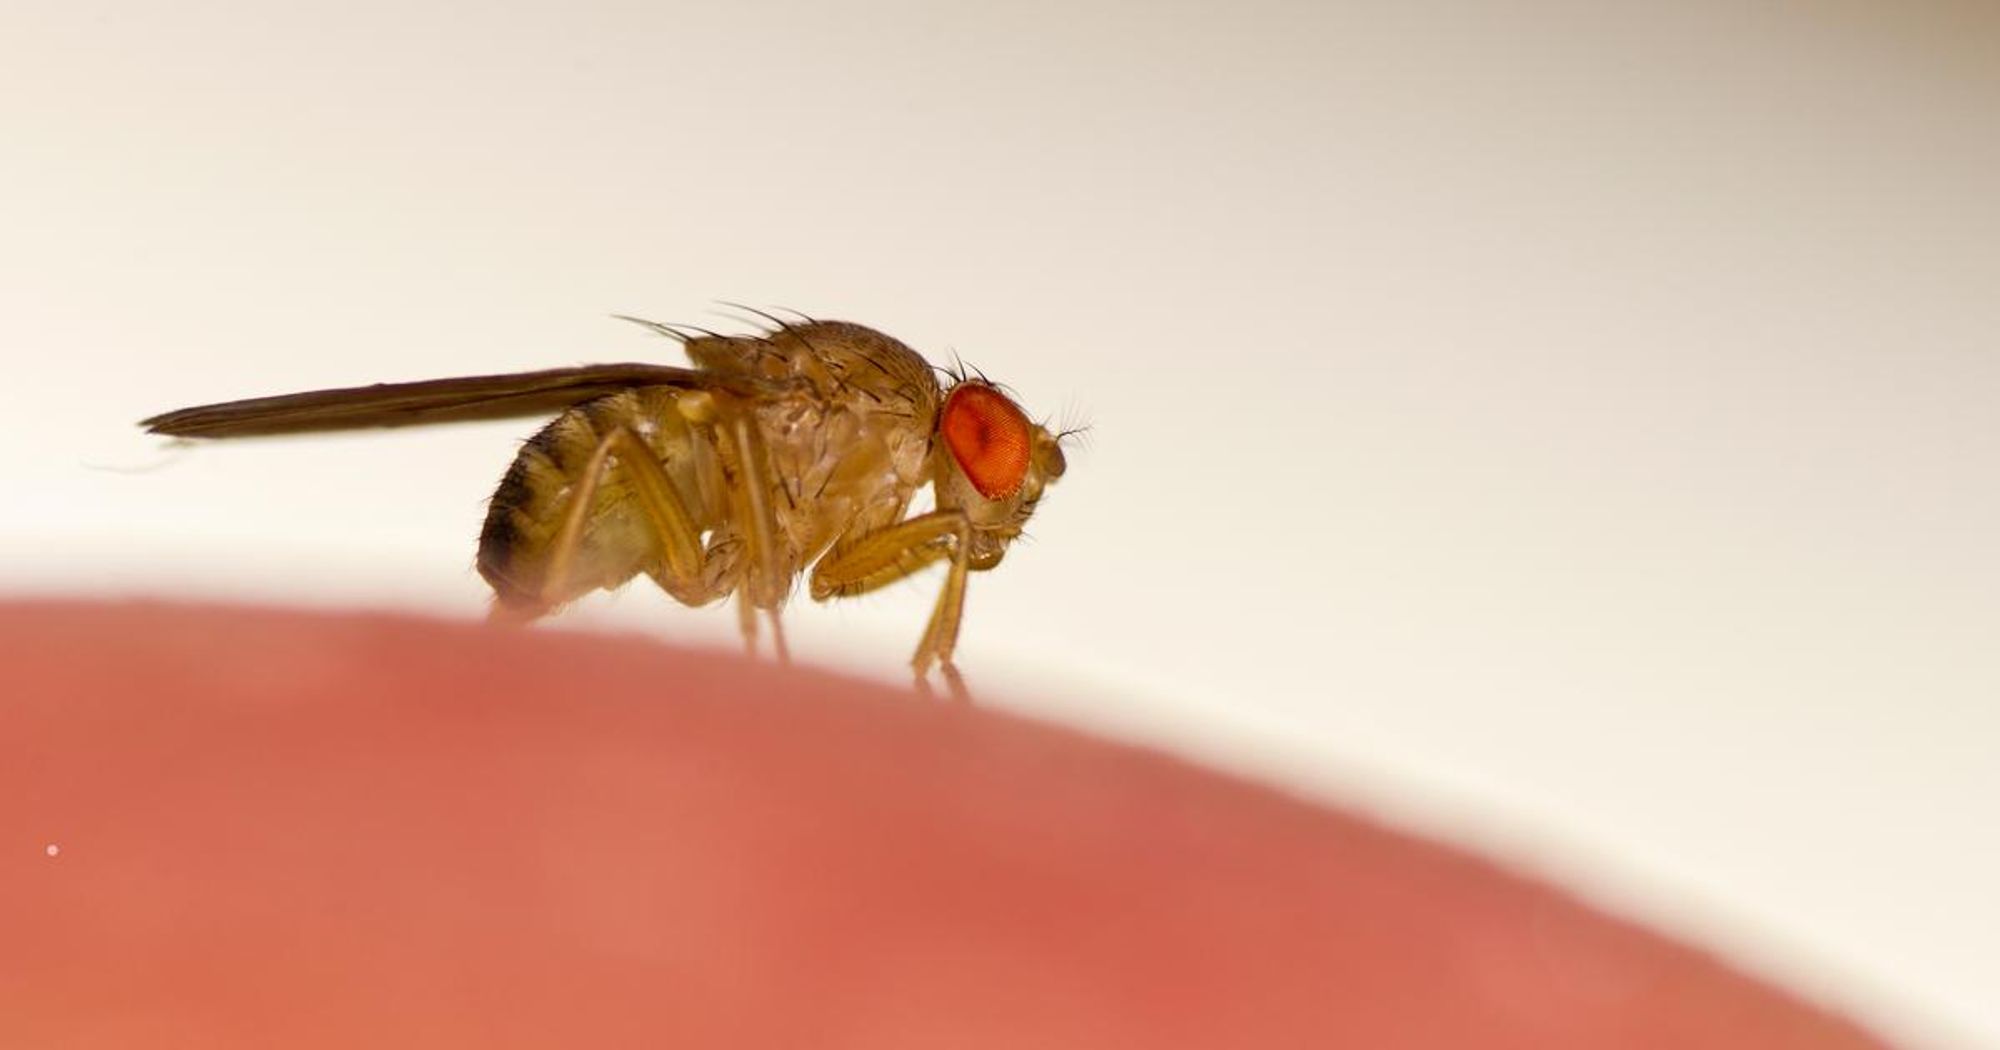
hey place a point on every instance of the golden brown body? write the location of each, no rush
(797, 447)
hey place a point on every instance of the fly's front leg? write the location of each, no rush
(893, 552)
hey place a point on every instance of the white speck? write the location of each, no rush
(52, 849)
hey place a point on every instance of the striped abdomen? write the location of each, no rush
(618, 542)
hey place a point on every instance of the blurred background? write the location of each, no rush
(1566, 429)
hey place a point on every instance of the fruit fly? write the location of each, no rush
(801, 445)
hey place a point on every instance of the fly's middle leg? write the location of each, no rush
(764, 579)
(746, 622)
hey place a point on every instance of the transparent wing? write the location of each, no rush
(429, 401)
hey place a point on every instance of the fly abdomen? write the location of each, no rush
(617, 541)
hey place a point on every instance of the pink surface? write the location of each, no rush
(287, 830)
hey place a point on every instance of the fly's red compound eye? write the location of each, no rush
(989, 437)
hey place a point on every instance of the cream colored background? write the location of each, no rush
(1568, 427)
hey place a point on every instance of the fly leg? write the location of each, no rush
(764, 580)
(665, 510)
(874, 559)
(746, 620)
(778, 638)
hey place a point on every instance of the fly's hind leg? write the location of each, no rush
(687, 570)
(874, 559)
